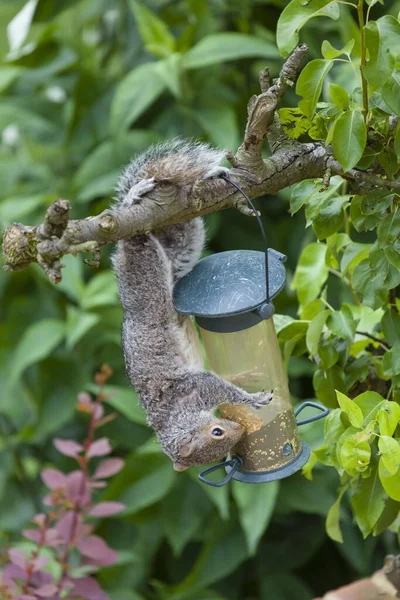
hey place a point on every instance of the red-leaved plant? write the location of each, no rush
(65, 532)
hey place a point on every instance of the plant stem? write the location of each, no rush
(381, 342)
(364, 83)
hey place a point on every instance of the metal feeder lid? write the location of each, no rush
(229, 283)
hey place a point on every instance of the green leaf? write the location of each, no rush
(328, 51)
(145, 479)
(368, 502)
(354, 455)
(184, 510)
(301, 193)
(370, 404)
(314, 331)
(390, 482)
(339, 96)
(325, 382)
(309, 84)
(220, 123)
(328, 354)
(294, 122)
(100, 291)
(350, 408)
(397, 142)
(353, 255)
(311, 273)
(370, 284)
(382, 38)
(390, 451)
(37, 343)
(366, 211)
(391, 92)
(256, 504)
(296, 15)
(330, 217)
(125, 400)
(391, 326)
(349, 138)
(389, 237)
(391, 362)
(333, 429)
(388, 516)
(221, 47)
(342, 323)
(18, 27)
(333, 519)
(219, 557)
(389, 418)
(289, 587)
(388, 160)
(218, 496)
(78, 325)
(156, 36)
(135, 94)
(8, 75)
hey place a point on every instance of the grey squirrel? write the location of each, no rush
(160, 346)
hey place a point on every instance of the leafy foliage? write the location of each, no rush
(87, 83)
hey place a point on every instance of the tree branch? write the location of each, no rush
(291, 162)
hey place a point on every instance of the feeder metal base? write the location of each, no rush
(275, 474)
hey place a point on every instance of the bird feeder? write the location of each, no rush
(230, 295)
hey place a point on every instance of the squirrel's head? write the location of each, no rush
(208, 442)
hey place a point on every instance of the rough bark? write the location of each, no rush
(291, 162)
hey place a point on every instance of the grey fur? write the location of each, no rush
(161, 354)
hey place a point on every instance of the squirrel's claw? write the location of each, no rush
(262, 399)
(142, 188)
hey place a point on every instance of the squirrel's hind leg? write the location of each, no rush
(139, 190)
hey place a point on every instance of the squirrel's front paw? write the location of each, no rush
(261, 399)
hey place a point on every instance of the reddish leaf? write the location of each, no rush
(108, 467)
(84, 398)
(106, 509)
(87, 588)
(99, 553)
(12, 572)
(32, 534)
(48, 500)
(18, 558)
(97, 484)
(52, 538)
(39, 563)
(66, 527)
(98, 411)
(40, 578)
(46, 591)
(77, 489)
(53, 479)
(39, 519)
(26, 597)
(100, 447)
(67, 447)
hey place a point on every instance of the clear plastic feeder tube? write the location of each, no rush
(251, 359)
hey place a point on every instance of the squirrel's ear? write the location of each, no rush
(187, 448)
(179, 467)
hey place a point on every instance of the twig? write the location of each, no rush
(370, 180)
(375, 339)
(291, 162)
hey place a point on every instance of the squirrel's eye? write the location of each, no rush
(217, 432)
